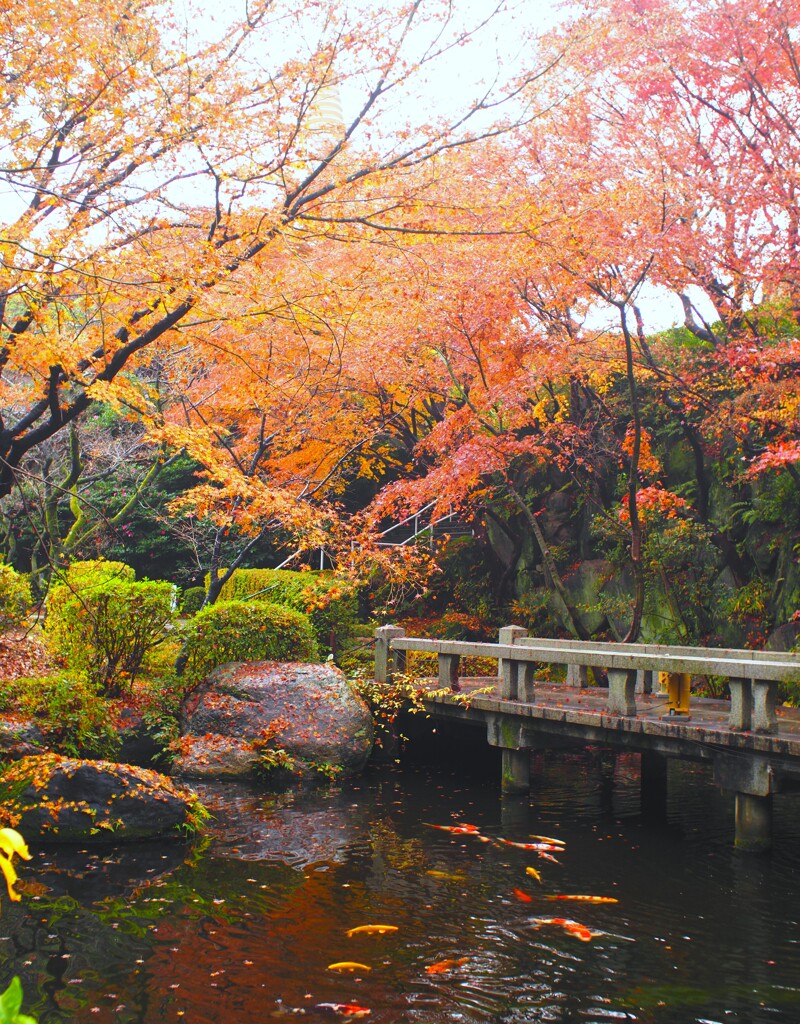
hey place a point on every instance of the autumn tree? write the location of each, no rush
(671, 164)
(150, 158)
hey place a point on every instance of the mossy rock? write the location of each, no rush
(49, 798)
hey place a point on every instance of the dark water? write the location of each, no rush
(243, 926)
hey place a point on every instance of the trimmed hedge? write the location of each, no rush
(192, 600)
(246, 631)
(331, 607)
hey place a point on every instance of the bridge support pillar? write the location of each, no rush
(516, 771)
(753, 823)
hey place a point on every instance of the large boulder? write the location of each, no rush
(288, 720)
(19, 737)
(47, 797)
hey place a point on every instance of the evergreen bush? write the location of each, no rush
(192, 600)
(102, 622)
(246, 631)
(326, 600)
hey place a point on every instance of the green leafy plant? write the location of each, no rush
(11, 1003)
(245, 631)
(15, 597)
(70, 711)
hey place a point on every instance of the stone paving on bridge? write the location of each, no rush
(705, 714)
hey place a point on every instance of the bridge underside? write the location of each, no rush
(754, 767)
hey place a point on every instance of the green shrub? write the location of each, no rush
(102, 622)
(329, 603)
(92, 573)
(69, 711)
(15, 597)
(192, 600)
(246, 631)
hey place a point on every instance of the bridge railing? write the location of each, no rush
(752, 676)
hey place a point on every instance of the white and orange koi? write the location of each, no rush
(351, 1010)
(574, 928)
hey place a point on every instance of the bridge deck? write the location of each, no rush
(577, 712)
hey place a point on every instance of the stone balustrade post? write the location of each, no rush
(765, 697)
(449, 665)
(621, 691)
(388, 661)
(507, 670)
(740, 718)
(577, 675)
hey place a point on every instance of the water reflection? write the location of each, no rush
(245, 925)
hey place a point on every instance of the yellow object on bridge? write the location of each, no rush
(677, 686)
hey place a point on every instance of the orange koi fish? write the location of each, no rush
(445, 965)
(534, 874)
(574, 928)
(522, 896)
(352, 1010)
(457, 830)
(371, 929)
(584, 899)
(348, 967)
(547, 856)
(549, 839)
(469, 828)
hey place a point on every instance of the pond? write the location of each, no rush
(245, 924)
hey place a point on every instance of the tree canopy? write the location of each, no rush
(342, 307)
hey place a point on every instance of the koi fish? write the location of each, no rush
(584, 899)
(345, 1009)
(574, 928)
(348, 967)
(522, 895)
(469, 828)
(457, 830)
(534, 874)
(445, 965)
(371, 929)
(538, 847)
(549, 839)
(448, 876)
(548, 856)
(285, 1011)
